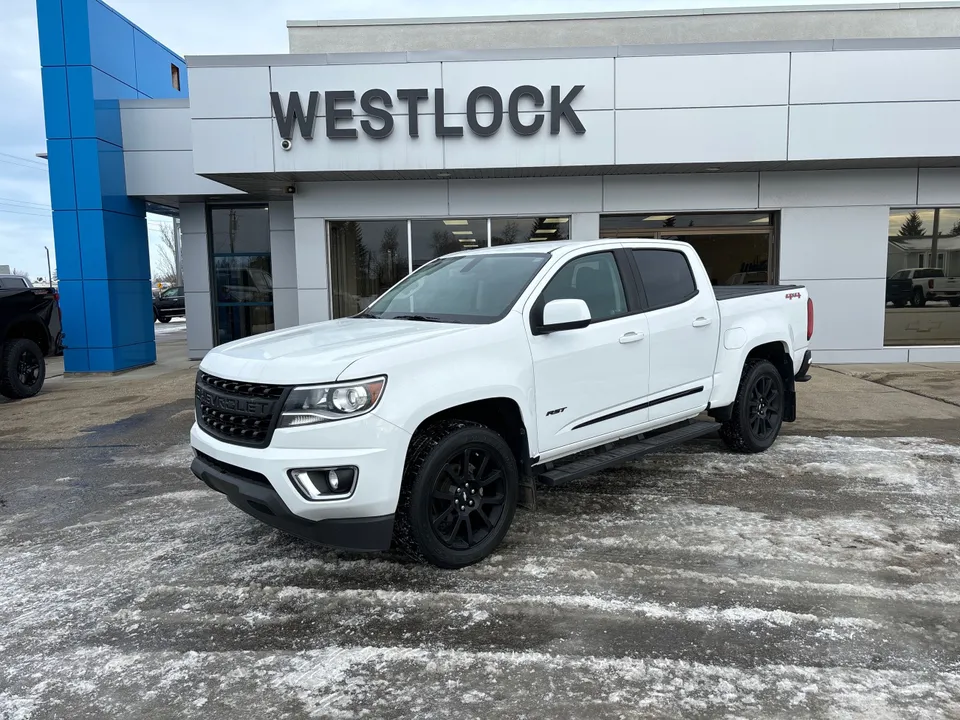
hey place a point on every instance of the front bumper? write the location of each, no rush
(256, 497)
(374, 446)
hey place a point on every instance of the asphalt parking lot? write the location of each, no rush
(817, 580)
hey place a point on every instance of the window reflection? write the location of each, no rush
(922, 295)
(507, 231)
(435, 238)
(366, 258)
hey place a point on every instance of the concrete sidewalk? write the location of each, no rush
(939, 381)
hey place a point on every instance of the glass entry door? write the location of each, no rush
(242, 280)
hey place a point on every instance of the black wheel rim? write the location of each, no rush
(468, 497)
(28, 368)
(766, 408)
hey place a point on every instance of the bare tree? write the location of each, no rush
(20, 273)
(165, 266)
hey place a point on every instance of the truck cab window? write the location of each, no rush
(594, 279)
(666, 276)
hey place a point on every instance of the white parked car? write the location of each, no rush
(427, 418)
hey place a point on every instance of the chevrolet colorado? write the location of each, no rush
(428, 417)
(29, 330)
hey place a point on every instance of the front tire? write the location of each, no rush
(919, 299)
(163, 318)
(459, 494)
(22, 369)
(757, 411)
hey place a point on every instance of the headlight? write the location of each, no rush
(323, 403)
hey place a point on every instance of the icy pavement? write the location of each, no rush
(818, 580)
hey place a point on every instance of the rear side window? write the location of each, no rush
(14, 282)
(666, 276)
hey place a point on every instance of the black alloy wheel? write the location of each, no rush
(766, 408)
(458, 495)
(757, 412)
(467, 502)
(28, 368)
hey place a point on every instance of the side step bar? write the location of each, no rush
(624, 453)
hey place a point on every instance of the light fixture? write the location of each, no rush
(456, 222)
(712, 169)
(462, 232)
(658, 218)
(557, 220)
(544, 231)
(467, 240)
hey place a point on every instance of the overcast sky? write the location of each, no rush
(196, 27)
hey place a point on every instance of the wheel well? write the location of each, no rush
(502, 415)
(777, 354)
(30, 331)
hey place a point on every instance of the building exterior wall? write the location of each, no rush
(903, 20)
(198, 299)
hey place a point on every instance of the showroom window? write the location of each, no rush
(367, 257)
(510, 230)
(242, 279)
(922, 295)
(431, 239)
(736, 248)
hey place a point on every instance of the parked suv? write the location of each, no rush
(169, 304)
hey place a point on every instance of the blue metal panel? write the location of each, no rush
(72, 294)
(154, 77)
(102, 248)
(50, 25)
(67, 233)
(63, 194)
(111, 43)
(56, 116)
(76, 32)
(113, 246)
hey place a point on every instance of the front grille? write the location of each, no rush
(238, 412)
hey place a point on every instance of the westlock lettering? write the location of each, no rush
(485, 112)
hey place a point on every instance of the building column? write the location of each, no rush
(313, 294)
(585, 226)
(195, 250)
(92, 58)
(283, 263)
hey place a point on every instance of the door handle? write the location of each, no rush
(631, 337)
(702, 322)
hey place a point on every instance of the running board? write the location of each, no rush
(624, 453)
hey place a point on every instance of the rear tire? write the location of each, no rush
(22, 369)
(757, 411)
(919, 299)
(163, 319)
(459, 494)
(899, 303)
(955, 302)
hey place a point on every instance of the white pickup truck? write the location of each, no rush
(426, 419)
(930, 285)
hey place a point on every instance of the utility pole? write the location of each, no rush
(49, 269)
(176, 251)
(934, 244)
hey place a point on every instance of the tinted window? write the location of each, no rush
(478, 289)
(240, 230)
(172, 292)
(593, 279)
(13, 282)
(434, 238)
(666, 277)
(928, 273)
(902, 275)
(366, 259)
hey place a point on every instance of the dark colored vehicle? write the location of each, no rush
(169, 304)
(30, 330)
(899, 289)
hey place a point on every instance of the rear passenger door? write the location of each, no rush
(684, 323)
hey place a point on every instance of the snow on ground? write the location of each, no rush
(175, 326)
(819, 579)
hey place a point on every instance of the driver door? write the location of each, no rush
(590, 382)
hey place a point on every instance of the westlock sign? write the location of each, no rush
(377, 104)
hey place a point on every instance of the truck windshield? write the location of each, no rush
(476, 289)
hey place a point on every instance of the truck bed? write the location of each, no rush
(729, 292)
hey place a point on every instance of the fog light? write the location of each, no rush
(324, 483)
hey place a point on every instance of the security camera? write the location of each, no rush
(286, 144)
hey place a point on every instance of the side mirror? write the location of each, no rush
(569, 314)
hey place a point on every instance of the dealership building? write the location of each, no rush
(795, 145)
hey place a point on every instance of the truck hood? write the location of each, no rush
(316, 353)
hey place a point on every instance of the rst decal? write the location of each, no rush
(794, 296)
(555, 412)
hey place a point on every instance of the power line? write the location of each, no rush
(21, 212)
(14, 201)
(21, 164)
(25, 159)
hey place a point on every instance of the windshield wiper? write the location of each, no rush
(419, 318)
(367, 315)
